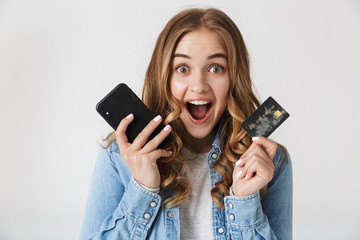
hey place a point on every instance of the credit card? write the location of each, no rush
(265, 119)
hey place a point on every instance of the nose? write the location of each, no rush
(199, 83)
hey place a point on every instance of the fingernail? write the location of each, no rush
(129, 116)
(238, 162)
(157, 118)
(170, 152)
(239, 174)
(167, 128)
(246, 177)
(255, 138)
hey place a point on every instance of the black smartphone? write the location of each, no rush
(122, 101)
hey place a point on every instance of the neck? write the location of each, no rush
(199, 145)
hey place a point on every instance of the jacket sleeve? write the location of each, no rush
(117, 210)
(267, 218)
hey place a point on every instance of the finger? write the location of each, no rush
(269, 146)
(253, 148)
(251, 172)
(160, 153)
(143, 136)
(120, 134)
(259, 151)
(261, 170)
(241, 162)
(241, 174)
(249, 175)
(252, 161)
(155, 142)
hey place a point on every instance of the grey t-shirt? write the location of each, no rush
(195, 213)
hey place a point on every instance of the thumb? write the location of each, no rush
(268, 145)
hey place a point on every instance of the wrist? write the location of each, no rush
(240, 193)
(153, 190)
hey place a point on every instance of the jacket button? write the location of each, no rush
(232, 217)
(171, 214)
(147, 215)
(221, 230)
(231, 205)
(153, 204)
(214, 156)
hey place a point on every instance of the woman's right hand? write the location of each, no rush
(141, 157)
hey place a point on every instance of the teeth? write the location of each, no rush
(199, 102)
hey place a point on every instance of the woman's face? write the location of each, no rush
(200, 81)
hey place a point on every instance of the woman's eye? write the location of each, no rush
(182, 69)
(216, 69)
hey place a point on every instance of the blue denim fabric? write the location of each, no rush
(119, 208)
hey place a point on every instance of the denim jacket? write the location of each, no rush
(119, 208)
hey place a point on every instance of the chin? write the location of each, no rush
(199, 133)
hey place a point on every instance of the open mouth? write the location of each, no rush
(198, 109)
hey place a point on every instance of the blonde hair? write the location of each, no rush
(241, 101)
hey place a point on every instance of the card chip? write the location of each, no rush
(277, 113)
(265, 119)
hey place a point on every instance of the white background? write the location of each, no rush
(59, 58)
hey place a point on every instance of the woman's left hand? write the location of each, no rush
(255, 167)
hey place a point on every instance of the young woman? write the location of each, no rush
(213, 181)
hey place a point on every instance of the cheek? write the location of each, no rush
(177, 89)
(222, 93)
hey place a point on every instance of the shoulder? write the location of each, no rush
(109, 157)
(113, 148)
(107, 152)
(281, 157)
(282, 178)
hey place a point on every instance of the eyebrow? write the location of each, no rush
(216, 55)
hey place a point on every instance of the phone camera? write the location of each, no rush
(102, 108)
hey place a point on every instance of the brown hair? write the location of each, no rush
(241, 101)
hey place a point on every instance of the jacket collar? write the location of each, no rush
(218, 143)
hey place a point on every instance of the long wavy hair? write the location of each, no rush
(158, 98)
